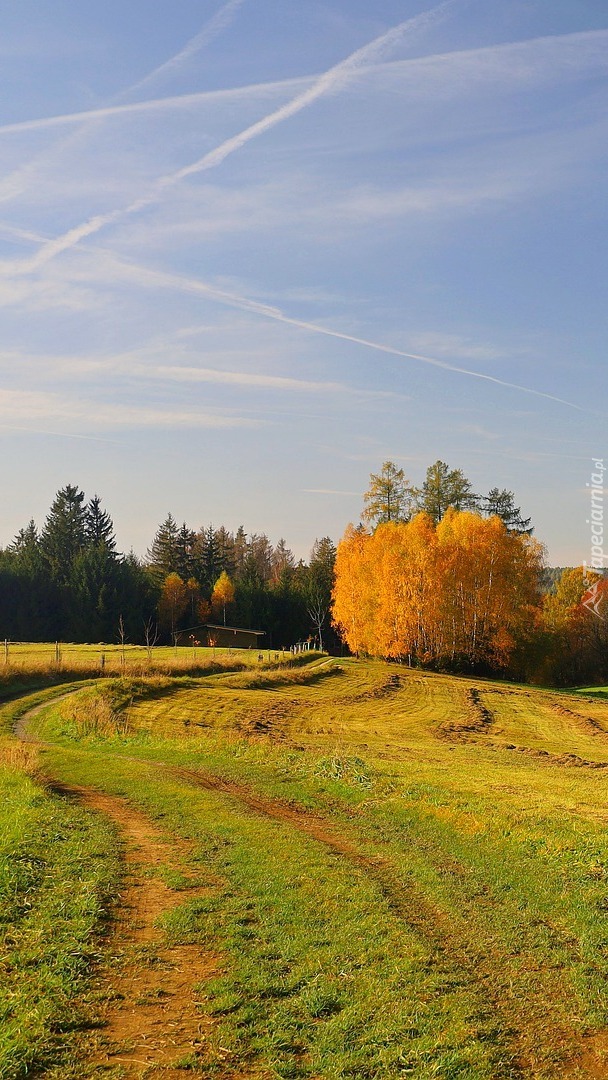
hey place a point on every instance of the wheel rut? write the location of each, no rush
(149, 1023)
(145, 988)
(506, 1002)
(147, 1017)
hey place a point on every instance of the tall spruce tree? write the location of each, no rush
(210, 557)
(240, 552)
(502, 504)
(99, 527)
(163, 553)
(389, 496)
(282, 562)
(65, 532)
(26, 549)
(184, 556)
(226, 546)
(258, 560)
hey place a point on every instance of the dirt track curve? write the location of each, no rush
(145, 990)
(151, 1021)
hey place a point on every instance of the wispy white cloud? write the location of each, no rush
(156, 278)
(25, 236)
(300, 203)
(50, 293)
(456, 346)
(330, 82)
(140, 366)
(256, 381)
(118, 269)
(40, 407)
(241, 378)
(552, 58)
(480, 432)
(174, 103)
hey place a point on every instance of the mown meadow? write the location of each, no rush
(397, 873)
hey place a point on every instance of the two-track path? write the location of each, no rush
(147, 987)
(145, 990)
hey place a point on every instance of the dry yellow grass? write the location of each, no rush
(20, 756)
(36, 658)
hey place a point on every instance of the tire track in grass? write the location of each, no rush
(520, 1007)
(145, 990)
(148, 1019)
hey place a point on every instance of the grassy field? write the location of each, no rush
(365, 871)
(41, 657)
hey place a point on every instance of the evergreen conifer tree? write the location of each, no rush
(65, 532)
(502, 504)
(99, 526)
(444, 488)
(163, 553)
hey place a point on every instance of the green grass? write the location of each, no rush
(406, 886)
(320, 977)
(601, 691)
(58, 870)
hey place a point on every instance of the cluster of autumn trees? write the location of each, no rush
(67, 581)
(461, 593)
(441, 577)
(233, 578)
(436, 575)
(571, 643)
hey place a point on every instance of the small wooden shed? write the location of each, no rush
(223, 637)
(233, 637)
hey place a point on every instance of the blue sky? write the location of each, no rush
(250, 251)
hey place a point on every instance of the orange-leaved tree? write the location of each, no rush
(490, 593)
(223, 595)
(463, 591)
(173, 602)
(575, 624)
(353, 605)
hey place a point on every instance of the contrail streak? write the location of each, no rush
(159, 278)
(219, 22)
(329, 82)
(13, 183)
(58, 434)
(485, 53)
(150, 105)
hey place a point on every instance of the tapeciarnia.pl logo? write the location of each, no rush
(593, 597)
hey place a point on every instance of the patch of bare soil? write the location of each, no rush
(148, 1012)
(594, 1059)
